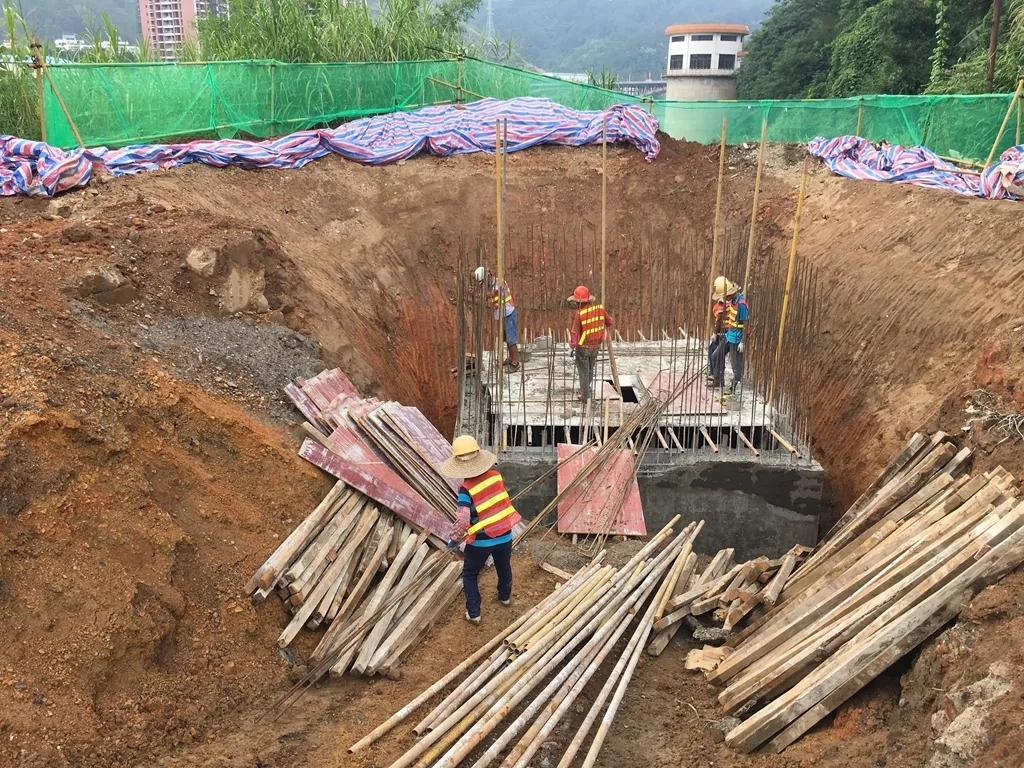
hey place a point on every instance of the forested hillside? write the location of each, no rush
(831, 48)
(627, 38)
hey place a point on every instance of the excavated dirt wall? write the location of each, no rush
(147, 459)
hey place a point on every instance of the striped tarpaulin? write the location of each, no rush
(858, 158)
(34, 168)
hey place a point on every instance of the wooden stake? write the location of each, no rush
(860, 116)
(789, 276)
(1002, 128)
(752, 237)
(37, 64)
(604, 251)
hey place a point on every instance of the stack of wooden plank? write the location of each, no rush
(725, 592)
(343, 562)
(920, 542)
(388, 451)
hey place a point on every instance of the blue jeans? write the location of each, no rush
(473, 561)
(717, 351)
(512, 328)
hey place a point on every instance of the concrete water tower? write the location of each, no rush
(702, 61)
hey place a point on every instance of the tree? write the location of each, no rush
(886, 50)
(789, 56)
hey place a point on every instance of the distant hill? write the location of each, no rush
(627, 38)
(53, 18)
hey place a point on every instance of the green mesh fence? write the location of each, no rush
(120, 104)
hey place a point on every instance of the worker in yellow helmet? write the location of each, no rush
(730, 315)
(486, 519)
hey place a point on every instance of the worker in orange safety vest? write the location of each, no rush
(588, 333)
(505, 310)
(486, 519)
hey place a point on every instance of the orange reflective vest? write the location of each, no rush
(593, 321)
(494, 514)
(497, 299)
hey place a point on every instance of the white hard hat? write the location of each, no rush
(479, 274)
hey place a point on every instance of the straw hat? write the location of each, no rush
(468, 459)
(723, 288)
(581, 295)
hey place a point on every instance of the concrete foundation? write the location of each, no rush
(757, 507)
(701, 88)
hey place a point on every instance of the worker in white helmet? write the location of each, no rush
(504, 307)
(730, 315)
(486, 519)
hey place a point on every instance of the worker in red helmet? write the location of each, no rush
(589, 326)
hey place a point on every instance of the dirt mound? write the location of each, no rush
(147, 465)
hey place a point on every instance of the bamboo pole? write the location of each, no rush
(789, 276)
(1017, 142)
(860, 115)
(752, 237)
(499, 352)
(604, 251)
(1002, 128)
(714, 233)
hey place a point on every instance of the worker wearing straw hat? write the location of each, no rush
(730, 312)
(486, 518)
(587, 336)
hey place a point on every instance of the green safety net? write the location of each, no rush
(120, 104)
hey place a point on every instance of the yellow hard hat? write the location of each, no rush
(468, 460)
(465, 445)
(724, 287)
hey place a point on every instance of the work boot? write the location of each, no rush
(472, 619)
(506, 603)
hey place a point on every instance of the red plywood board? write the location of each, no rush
(584, 510)
(351, 460)
(327, 385)
(695, 398)
(305, 405)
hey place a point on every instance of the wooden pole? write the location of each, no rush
(993, 44)
(37, 64)
(499, 352)
(860, 115)
(752, 237)
(1002, 128)
(718, 216)
(604, 250)
(789, 277)
(273, 95)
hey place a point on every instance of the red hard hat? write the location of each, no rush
(582, 293)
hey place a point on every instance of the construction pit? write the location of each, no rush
(149, 456)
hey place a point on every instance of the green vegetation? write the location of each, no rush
(831, 48)
(326, 30)
(19, 104)
(625, 38)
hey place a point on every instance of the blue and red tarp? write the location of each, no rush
(858, 158)
(35, 168)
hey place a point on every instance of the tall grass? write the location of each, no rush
(327, 30)
(19, 115)
(19, 101)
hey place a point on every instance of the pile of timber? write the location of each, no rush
(513, 692)
(899, 565)
(725, 593)
(369, 563)
(348, 559)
